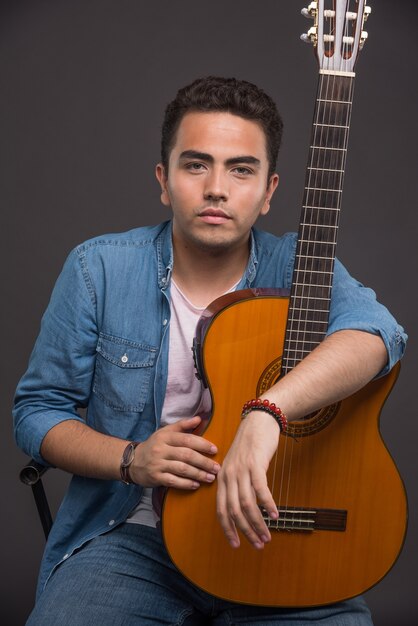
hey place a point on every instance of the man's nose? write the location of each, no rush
(216, 186)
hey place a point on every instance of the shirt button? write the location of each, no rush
(165, 322)
(124, 359)
(65, 556)
(112, 521)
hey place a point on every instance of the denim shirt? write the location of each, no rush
(103, 347)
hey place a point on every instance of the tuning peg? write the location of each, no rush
(367, 11)
(310, 36)
(310, 12)
(363, 37)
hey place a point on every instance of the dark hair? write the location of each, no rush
(224, 95)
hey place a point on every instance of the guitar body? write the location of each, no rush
(338, 464)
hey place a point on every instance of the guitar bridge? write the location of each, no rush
(301, 519)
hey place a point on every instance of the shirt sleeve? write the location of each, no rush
(59, 376)
(354, 306)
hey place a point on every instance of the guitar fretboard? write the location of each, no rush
(315, 253)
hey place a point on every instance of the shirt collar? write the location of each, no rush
(165, 258)
(251, 269)
(165, 255)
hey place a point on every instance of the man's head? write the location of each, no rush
(216, 94)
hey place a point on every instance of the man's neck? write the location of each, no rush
(205, 276)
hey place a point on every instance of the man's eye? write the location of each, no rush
(195, 167)
(242, 171)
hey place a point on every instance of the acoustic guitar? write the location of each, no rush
(341, 502)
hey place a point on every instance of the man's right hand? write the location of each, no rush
(174, 457)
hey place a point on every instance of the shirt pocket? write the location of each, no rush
(123, 372)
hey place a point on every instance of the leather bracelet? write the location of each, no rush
(126, 461)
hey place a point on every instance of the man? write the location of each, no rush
(116, 340)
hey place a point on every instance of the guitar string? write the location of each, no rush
(332, 177)
(290, 475)
(296, 326)
(315, 197)
(342, 123)
(299, 327)
(319, 197)
(332, 134)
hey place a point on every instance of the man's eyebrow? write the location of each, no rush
(249, 160)
(195, 154)
(204, 156)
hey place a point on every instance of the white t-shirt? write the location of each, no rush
(185, 394)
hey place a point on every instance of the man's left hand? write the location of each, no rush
(242, 481)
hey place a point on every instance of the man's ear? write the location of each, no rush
(162, 179)
(271, 188)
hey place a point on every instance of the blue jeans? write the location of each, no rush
(126, 578)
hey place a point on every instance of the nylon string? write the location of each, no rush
(309, 232)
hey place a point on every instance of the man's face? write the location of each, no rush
(217, 180)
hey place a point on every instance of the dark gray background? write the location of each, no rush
(83, 85)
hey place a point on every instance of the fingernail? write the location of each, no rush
(213, 449)
(210, 477)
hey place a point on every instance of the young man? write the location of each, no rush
(116, 339)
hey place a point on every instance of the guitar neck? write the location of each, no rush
(315, 253)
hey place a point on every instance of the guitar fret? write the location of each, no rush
(322, 189)
(305, 321)
(330, 125)
(327, 158)
(299, 351)
(314, 297)
(305, 332)
(324, 169)
(319, 243)
(299, 348)
(329, 148)
(307, 285)
(327, 208)
(334, 101)
(298, 270)
(311, 256)
(318, 225)
(298, 308)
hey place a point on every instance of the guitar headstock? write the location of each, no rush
(338, 32)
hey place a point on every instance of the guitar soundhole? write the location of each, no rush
(308, 425)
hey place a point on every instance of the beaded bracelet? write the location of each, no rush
(269, 407)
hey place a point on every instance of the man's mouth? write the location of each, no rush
(214, 216)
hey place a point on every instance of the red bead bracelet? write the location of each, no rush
(269, 407)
